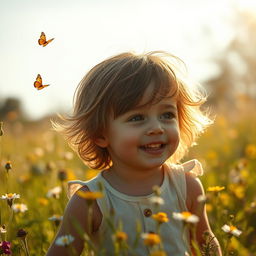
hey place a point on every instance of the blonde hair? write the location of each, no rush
(117, 85)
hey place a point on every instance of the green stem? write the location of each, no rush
(26, 247)
(227, 245)
(90, 213)
(10, 220)
(194, 241)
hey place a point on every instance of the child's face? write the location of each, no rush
(144, 137)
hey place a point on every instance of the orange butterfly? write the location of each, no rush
(38, 84)
(42, 40)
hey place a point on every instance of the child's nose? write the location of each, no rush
(155, 128)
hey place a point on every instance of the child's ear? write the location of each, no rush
(101, 141)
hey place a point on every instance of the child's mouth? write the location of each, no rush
(153, 147)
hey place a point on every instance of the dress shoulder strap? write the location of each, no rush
(75, 185)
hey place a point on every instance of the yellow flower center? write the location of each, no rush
(186, 214)
(10, 195)
(232, 228)
(65, 240)
(121, 236)
(152, 239)
(160, 217)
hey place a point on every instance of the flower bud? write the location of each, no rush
(22, 233)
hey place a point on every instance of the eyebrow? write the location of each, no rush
(166, 105)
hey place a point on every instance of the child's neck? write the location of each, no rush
(134, 183)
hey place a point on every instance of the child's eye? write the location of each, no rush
(168, 115)
(136, 118)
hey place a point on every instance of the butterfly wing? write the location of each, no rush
(38, 83)
(42, 86)
(42, 39)
(47, 42)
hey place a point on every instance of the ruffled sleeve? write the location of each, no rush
(193, 166)
(73, 186)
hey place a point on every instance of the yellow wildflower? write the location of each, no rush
(24, 178)
(238, 190)
(250, 151)
(151, 239)
(160, 217)
(120, 236)
(225, 198)
(215, 189)
(158, 253)
(43, 201)
(208, 207)
(89, 195)
(244, 173)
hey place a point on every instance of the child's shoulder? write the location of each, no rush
(89, 185)
(194, 187)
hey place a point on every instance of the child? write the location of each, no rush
(134, 119)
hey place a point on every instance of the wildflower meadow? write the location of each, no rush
(36, 164)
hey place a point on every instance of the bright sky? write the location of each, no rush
(88, 31)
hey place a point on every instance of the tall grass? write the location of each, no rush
(39, 160)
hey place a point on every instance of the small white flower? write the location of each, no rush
(186, 217)
(19, 207)
(3, 229)
(55, 218)
(10, 196)
(156, 200)
(231, 230)
(67, 155)
(65, 240)
(54, 192)
(201, 199)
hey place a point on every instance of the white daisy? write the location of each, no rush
(186, 217)
(64, 240)
(201, 199)
(54, 192)
(19, 207)
(55, 217)
(157, 200)
(3, 229)
(231, 230)
(10, 196)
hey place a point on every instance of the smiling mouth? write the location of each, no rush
(153, 147)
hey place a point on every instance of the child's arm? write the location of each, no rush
(76, 210)
(194, 190)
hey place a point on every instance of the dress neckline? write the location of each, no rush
(134, 198)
